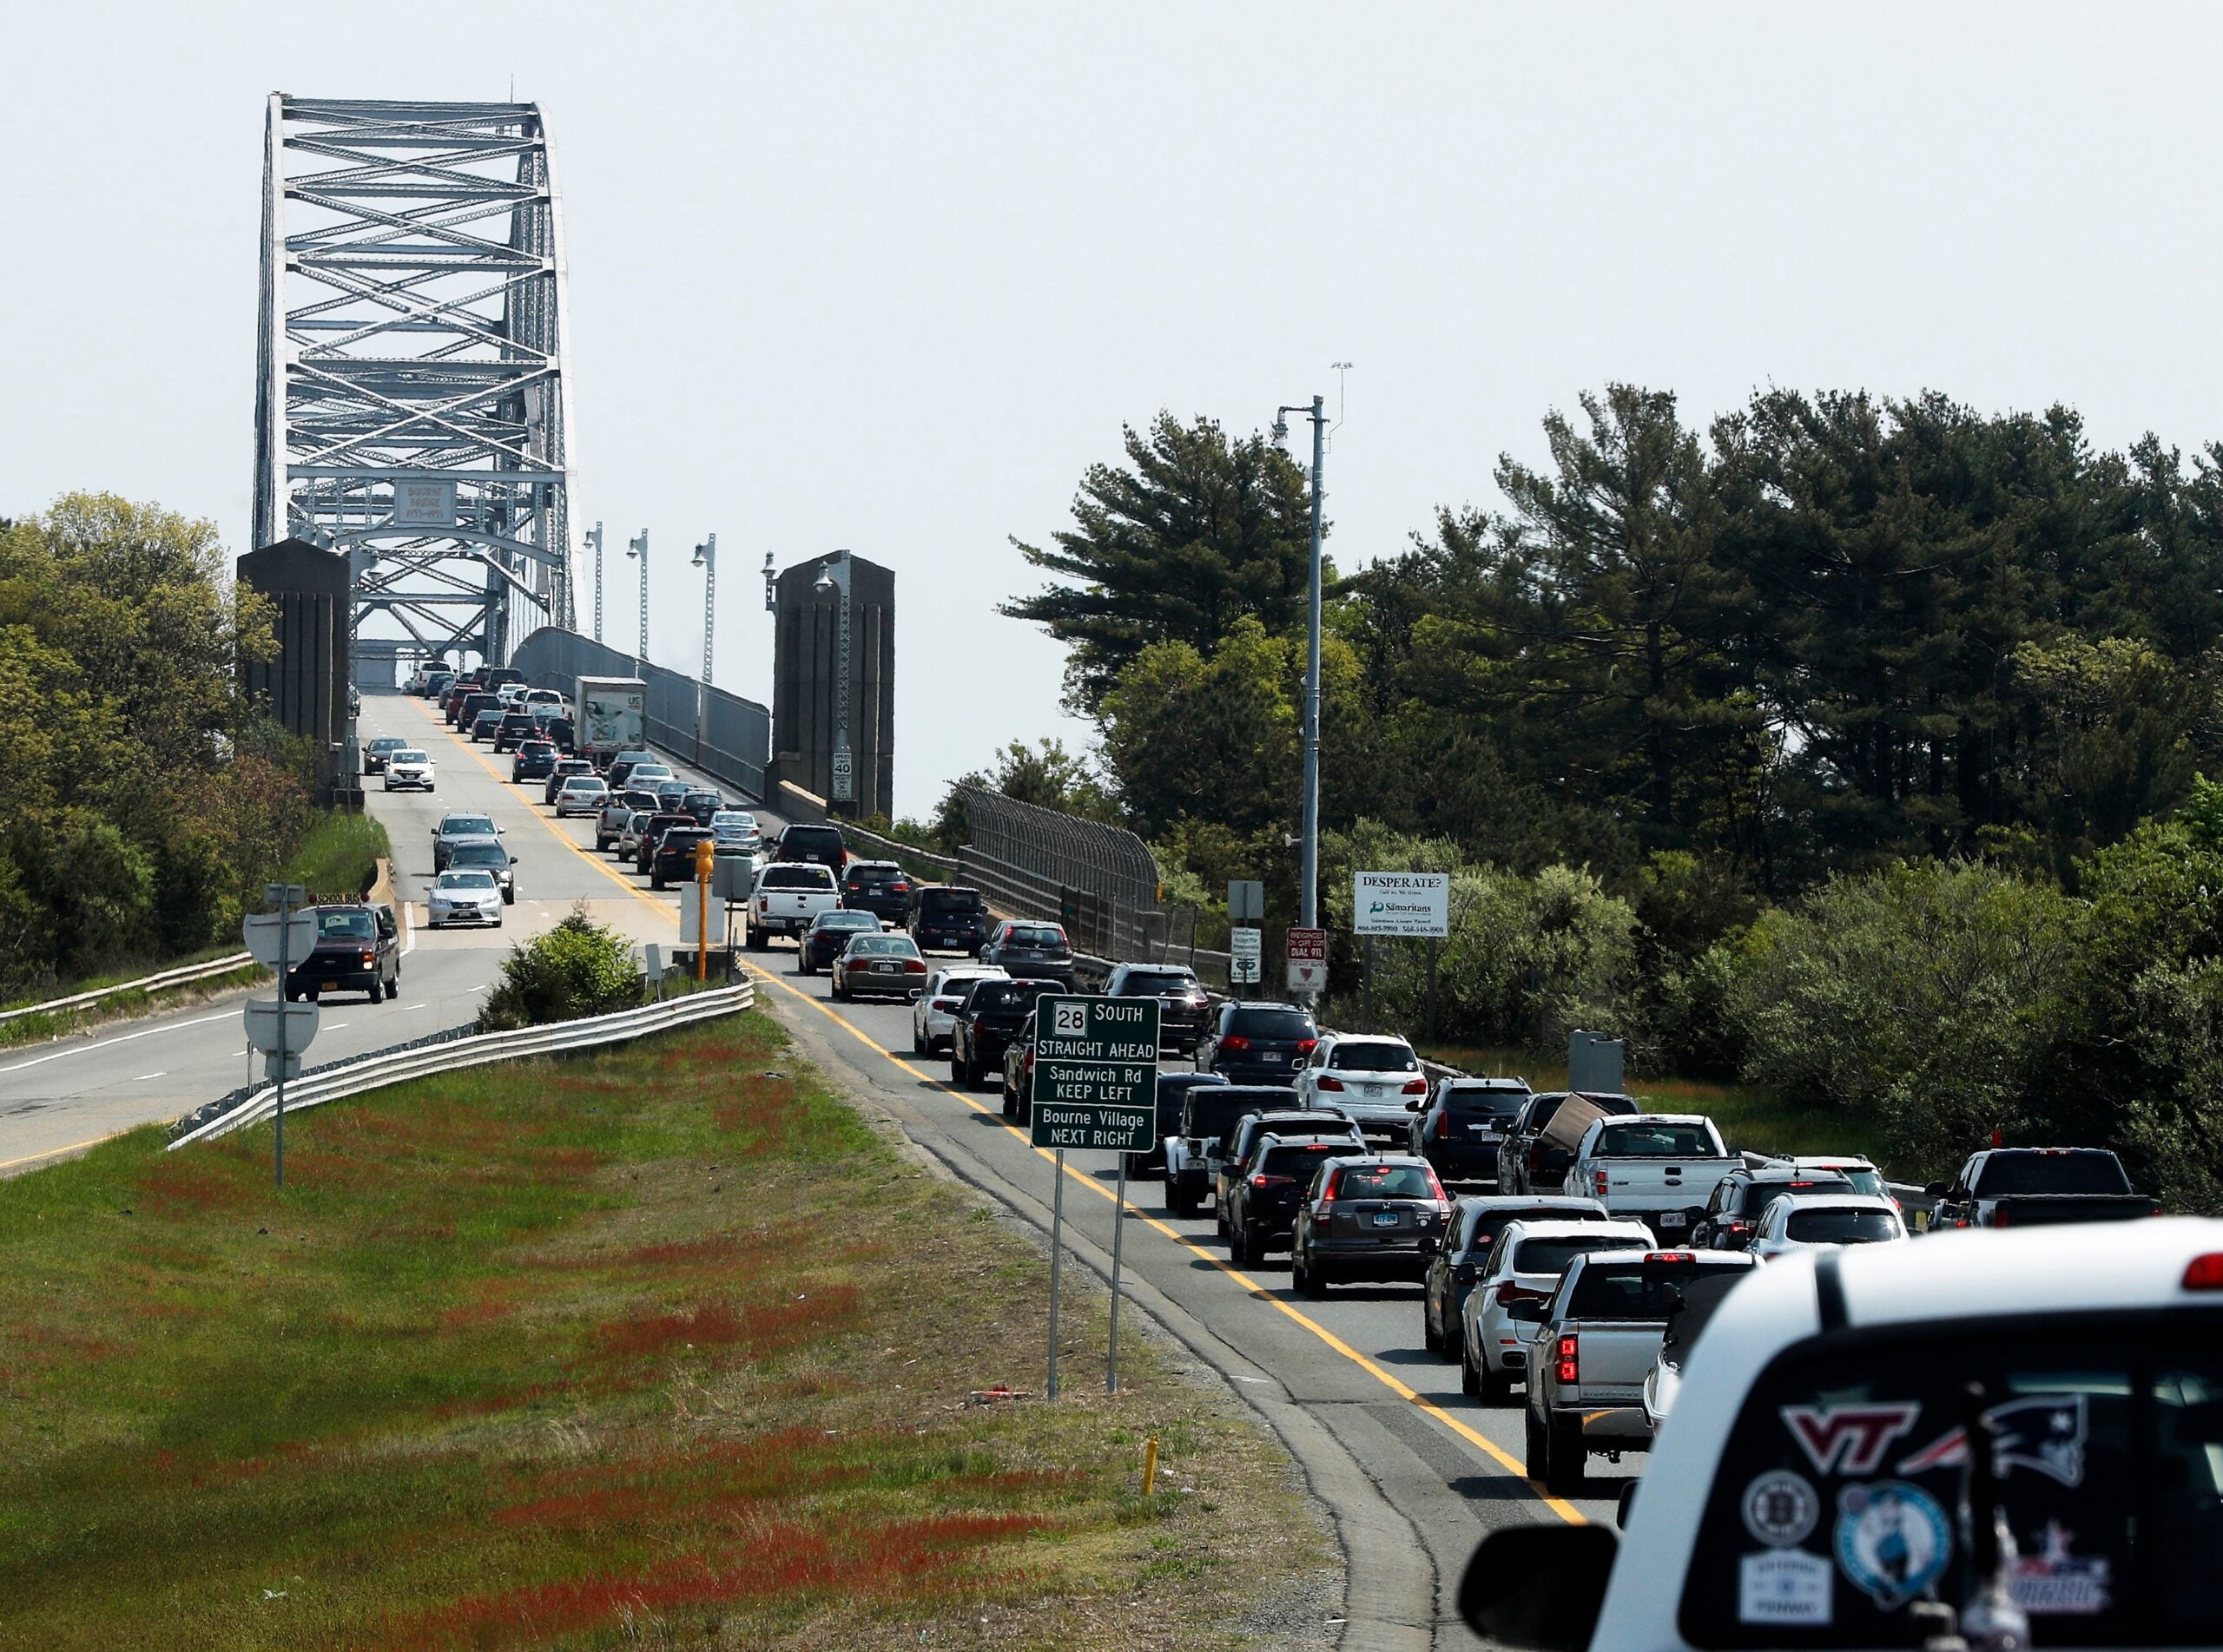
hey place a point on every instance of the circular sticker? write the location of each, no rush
(1781, 1509)
(1892, 1540)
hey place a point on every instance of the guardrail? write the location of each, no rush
(476, 1049)
(184, 975)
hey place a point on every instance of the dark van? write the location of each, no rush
(949, 919)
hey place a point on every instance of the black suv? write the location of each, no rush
(358, 950)
(1262, 1204)
(879, 887)
(1027, 946)
(536, 760)
(702, 804)
(515, 728)
(673, 859)
(993, 1012)
(485, 724)
(1366, 1218)
(1291, 1124)
(1172, 1088)
(468, 709)
(1257, 1043)
(1458, 1129)
(1181, 1000)
(950, 919)
(823, 844)
(1456, 1263)
(566, 767)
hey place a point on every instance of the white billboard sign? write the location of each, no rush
(424, 504)
(1401, 902)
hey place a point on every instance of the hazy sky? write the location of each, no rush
(889, 277)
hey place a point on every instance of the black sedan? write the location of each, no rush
(1027, 947)
(829, 932)
(375, 754)
(488, 855)
(485, 725)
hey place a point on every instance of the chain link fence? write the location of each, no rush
(725, 736)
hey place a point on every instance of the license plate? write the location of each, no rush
(1671, 1219)
(1385, 1219)
(883, 969)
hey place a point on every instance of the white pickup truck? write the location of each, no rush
(1659, 1169)
(788, 894)
(2064, 1385)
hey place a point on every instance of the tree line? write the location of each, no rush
(142, 799)
(1824, 649)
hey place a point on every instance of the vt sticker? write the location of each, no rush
(1849, 1439)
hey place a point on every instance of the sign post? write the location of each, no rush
(1307, 962)
(278, 1026)
(1095, 1087)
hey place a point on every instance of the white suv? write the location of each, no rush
(1367, 1077)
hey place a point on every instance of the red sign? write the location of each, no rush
(1308, 960)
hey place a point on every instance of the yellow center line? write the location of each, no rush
(89, 1142)
(1388, 1379)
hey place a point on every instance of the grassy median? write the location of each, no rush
(663, 1346)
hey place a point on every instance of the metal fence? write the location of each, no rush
(1099, 881)
(725, 736)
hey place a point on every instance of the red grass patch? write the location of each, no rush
(640, 1337)
(177, 1186)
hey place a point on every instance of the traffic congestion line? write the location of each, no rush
(1404, 1391)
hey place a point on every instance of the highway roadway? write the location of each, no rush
(1413, 1472)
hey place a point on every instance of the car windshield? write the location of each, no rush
(1034, 935)
(2079, 1170)
(1693, 1303)
(479, 854)
(1629, 1290)
(999, 995)
(537, 748)
(345, 925)
(1141, 982)
(845, 920)
(1652, 1141)
(1760, 1194)
(1490, 1220)
(950, 900)
(586, 783)
(386, 743)
(1216, 1111)
(874, 874)
(1271, 1023)
(1552, 1256)
(1388, 1181)
(1373, 1055)
(409, 756)
(1841, 1227)
(796, 878)
(467, 826)
(735, 818)
(466, 880)
(1482, 1101)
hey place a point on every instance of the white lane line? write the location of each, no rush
(80, 1049)
(409, 923)
(335, 1026)
(143, 1077)
(416, 1006)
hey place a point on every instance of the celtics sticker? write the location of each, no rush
(1892, 1541)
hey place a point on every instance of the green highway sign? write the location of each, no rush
(1095, 1074)
(1100, 1129)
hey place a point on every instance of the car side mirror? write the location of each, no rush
(1539, 1586)
(513, 860)
(1937, 1190)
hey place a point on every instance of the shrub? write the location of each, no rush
(578, 968)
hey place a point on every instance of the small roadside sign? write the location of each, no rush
(264, 933)
(1308, 960)
(1246, 900)
(1243, 951)
(263, 1019)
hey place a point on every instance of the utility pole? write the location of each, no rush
(640, 548)
(594, 538)
(706, 558)
(1307, 885)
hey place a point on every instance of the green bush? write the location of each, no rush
(578, 968)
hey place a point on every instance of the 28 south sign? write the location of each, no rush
(1095, 1074)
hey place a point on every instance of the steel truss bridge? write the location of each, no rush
(413, 380)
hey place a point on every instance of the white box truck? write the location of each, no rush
(611, 717)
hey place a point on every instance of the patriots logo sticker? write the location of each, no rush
(1849, 1439)
(2045, 1432)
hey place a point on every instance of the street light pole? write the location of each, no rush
(594, 538)
(640, 548)
(706, 558)
(1308, 889)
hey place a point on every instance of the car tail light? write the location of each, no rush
(2003, 1217)
(1272, 1182)
(1509, 1292)
(2204, 1272)
(1570, 1359)
(1443, 1125)
(1328, 1080)
(1234, 1043)
(1599, 1176)
(1667, 1256)
(1415, 1087)
(1435, 1188)
(913, 966)
(1328, 1193)
(1306, 1046)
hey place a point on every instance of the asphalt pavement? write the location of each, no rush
(1413, 1471)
